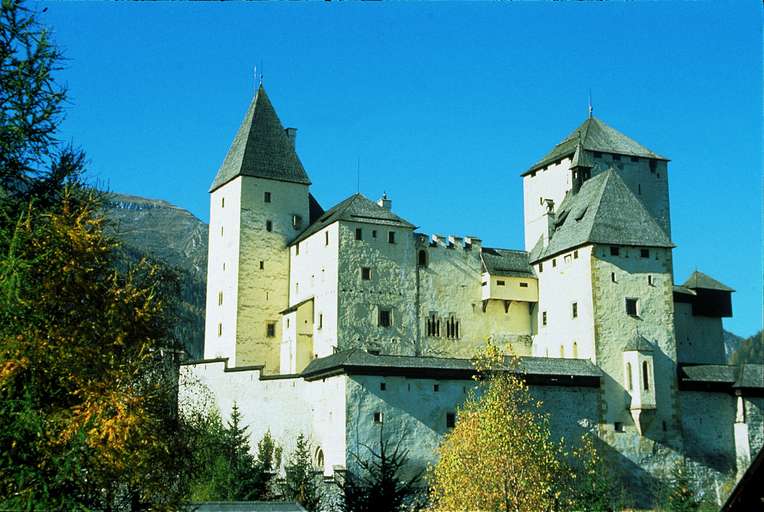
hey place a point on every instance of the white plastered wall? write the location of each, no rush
(562, 283)
(551, 182)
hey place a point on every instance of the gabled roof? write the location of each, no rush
(261, 148)
(594, 135)
(506, 262)
(604, 211)
(355, 208)
(701, 280)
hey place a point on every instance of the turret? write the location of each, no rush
(259, 203)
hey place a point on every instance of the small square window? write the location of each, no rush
(645, 253)
(385, 318)
(436, 387)
(270, 330)
(632, 307)
(523, 285)
(382, 386)
(615, 250)
(543, 318)
(267, 197)
(377, 417)
(374, 233)
(500, 283)
(450, 420)
(391, 237)
(358, 234)
(366, 273)
(575, 310)
(269, 225)
(618, 426)
(262, 265)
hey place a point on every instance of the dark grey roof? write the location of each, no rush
(708, 373)
(506, 262)
(594, 135)
(701, 280)
(246, 506)
(604, 211)
(261, 148)
(638, 343)
(582, 157)
(683, 290)
(750, 376)
(537, 369)
(355, 208)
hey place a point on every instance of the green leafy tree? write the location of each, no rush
(301, 483)
(680, 493)
(378, 483)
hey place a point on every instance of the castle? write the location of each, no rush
(334, 323)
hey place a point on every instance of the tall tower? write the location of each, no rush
(259, 202)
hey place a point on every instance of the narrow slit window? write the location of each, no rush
(269, 225)
(262, 265)
(220, 298)
(267, 197)
(629, 385)
(358, 234)
(326, 238)
(645, 375)
(543, 318)
(391, 237)
(574, 309)
(222, 202)
(220, 329)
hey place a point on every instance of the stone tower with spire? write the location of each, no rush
(259, 202)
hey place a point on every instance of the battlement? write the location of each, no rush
(466, 243)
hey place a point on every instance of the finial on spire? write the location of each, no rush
(591, 109)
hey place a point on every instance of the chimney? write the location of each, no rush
(291, 134)
(551, 217)
(385, 203)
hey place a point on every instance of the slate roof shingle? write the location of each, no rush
(355, 208)
(604, 211)
(594, 135)
(261, 148)
(506, 262)
(750, 376)
(700, 280)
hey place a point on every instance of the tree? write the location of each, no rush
(680, 493)
(300, 484)
(33, 164)
(378, 484)
(590, 486)
(500, 455)
(87, 409)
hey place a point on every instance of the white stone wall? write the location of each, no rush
(754, 416)
(551, 182)
(284, 406)
(222, 272)
(565, 280)
(699, 339)
(314, 273)
(391, 287)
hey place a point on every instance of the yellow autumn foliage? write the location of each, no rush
(500, 456)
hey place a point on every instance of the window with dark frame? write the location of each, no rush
(499, 282)
(267, 197)
(366, 273)
(450, 419)
(358, 234)
(632, 307)
(270, 330)
(385, 318)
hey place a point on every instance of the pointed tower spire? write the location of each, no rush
(261, 148)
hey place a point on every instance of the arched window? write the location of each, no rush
(628, 376)
(422, 258)
(575, 350)
(562, 351)
(320, 459)
(645, 375)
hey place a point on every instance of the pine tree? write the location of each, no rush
(681, 496)
(301, 482)
(378, 484)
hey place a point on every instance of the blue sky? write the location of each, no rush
(443, 104)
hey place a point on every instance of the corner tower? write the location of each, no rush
(259, 202)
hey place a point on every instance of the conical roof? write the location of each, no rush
(594, 135)
(261, 148)
(604, 211)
